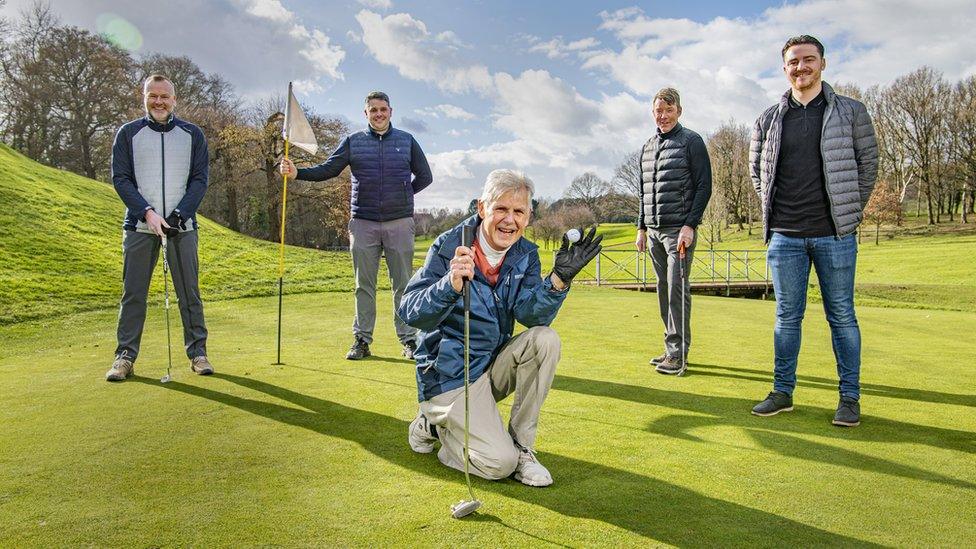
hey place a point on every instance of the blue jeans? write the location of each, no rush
(835, 261)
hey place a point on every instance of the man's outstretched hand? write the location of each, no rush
(570, 259)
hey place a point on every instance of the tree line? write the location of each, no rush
(65, 91)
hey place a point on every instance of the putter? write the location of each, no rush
(464, 508)
(169, 347)
(682, 274)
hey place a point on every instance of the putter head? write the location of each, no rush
(165, 379)
(464, 508)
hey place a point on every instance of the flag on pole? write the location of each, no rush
(297, 130)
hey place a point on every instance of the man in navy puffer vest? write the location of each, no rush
(388, 168)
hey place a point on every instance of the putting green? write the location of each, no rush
(315, 452)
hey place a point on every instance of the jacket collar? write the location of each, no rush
(370, 131)
(828, 93)
(164, 127)
(677, 128)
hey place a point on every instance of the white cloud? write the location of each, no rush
(313, 45)
(377, 4)
(400, 41)
(446, 110)
(557, 48)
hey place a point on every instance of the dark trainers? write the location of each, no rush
(422, 435)
(201, 366)
(121, 369)
(409, 348)
(359, 350)
(776, 402)
(848, 413)
(671, 365)
(659, 359)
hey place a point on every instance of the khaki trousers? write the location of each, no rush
(525, 366)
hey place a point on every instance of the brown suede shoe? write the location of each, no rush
(121, 369)
(201, 366)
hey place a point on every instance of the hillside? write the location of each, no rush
(60, 248)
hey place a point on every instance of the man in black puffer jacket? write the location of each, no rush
(388, 168)
(676, 185)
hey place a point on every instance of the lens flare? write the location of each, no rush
(118, 31)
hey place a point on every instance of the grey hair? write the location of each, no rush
(499, 182)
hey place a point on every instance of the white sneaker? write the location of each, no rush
(529, 471)
(422, 435)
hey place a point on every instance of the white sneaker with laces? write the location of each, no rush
(529, 471)
(422, 435)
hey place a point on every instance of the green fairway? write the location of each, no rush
(315, 452)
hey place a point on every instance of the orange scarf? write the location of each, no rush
(481, 262)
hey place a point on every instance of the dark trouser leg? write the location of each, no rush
(139, 254)
(184, 267)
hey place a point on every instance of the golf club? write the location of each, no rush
(464, 508)
(684, 334)
(169, 347)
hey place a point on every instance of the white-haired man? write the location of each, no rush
(506, 286)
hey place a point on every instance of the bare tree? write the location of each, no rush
(590, 191)
(917, 104)
(626, 184)
(728, 149)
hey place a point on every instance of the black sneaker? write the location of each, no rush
(409, 348)
(672, 366)
(359, 350)
(776, 402)
(848, 413)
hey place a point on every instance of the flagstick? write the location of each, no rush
(281, 250)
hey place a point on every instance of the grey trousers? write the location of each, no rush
(367, 241)
(525, 366)
(664, 256)
(140, 252)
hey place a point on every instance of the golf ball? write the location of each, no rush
(573, 235)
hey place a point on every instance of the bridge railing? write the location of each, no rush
(622, 266)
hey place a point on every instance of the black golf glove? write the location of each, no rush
(176, 224)
(570, 259)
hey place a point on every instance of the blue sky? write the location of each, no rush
(551, 88)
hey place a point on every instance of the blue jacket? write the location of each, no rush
(431, 305)
(164, 167)
(381, 167)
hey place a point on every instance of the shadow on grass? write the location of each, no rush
(874, 389)
(646, 506)
(711, 411)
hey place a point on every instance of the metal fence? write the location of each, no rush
(620, 266)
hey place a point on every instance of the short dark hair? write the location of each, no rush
(802, 39)
(378, 95)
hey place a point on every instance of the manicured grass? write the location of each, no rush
(315, 452)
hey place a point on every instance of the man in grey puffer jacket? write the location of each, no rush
(814, 161)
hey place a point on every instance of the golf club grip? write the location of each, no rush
(467, 240)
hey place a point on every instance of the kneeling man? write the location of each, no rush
(506, 286)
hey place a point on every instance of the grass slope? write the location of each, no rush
(60, 247)
(315, 453)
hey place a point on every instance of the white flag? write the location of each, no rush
(297, 130)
